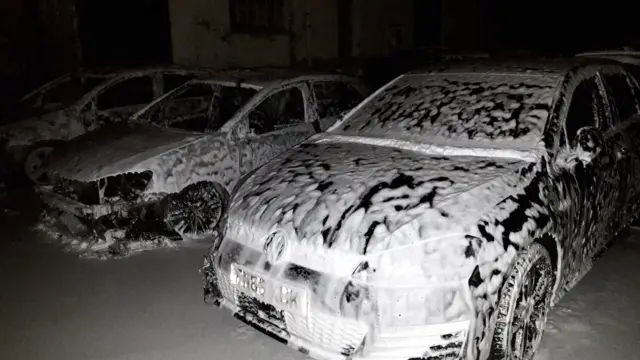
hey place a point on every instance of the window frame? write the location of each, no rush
(633, 91)
(343, 82)
(592, 76)
(176, 96)
(305, 106)
(109, 87)
(188, 76)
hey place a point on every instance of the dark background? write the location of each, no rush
(560, 25)
(109, 36)
(129, 33)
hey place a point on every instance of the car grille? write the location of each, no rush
(321, 329)
(84, 192)
(225, 285)
(330, 332)
(264, 311)
(327, 331)
(127, 186)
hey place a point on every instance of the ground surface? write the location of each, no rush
(54, 305)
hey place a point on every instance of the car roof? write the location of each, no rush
(551, 68)
(624, 56)
(116, 71)
(263, 78)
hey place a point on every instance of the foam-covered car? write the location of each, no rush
(626, 55)
(171, 167)
(441, 218)
(74, 104)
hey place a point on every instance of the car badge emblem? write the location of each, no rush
(275, 247)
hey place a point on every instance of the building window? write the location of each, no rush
(257, 16)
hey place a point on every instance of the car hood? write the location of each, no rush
(351, 196)
(116, 149)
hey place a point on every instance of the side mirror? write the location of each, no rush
(588, 143)
(240, 130)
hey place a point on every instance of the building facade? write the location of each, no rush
(250, 33)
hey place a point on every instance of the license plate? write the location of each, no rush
(277, 293)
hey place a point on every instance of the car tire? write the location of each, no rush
(195, 212)
(523, 306)
(35, 163)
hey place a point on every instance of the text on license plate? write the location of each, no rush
(271, 291)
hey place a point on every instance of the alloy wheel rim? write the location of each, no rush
(530, 313)
(194, 219)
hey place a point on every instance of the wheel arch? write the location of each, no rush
(179, 202)
(221, 189)
(500, 347)
(552, 245)
(226, 197)
(20, 153)
(22, 156)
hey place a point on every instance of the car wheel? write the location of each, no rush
(195, 212)
(524, 303)
(35, 165)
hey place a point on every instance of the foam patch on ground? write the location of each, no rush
(113, 245)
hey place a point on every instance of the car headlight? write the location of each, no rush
(401, 306)
(445, 259)
(423, 282)
(425, 305)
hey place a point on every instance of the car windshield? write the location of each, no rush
(458, 109)
(57, 95)
(199, 106)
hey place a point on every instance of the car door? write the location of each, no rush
(624, 97)
(333, 98)
(121, 99)
(276, 124)
(595, 179)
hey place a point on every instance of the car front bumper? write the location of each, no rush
(324, 335)
(77, 208)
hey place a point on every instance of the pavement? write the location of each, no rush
(55, 305)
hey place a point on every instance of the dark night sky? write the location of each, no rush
(561, 25)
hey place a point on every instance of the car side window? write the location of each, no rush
(133, 91)
(280, 110)
(195, 91)
(335, 97)
(172, 81)
(229, 100)
(624, 100)
(66, 92)
(187, 109)
(586, 108)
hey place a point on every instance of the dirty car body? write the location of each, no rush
(77, 103)
(440, 219)
(180, 156)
